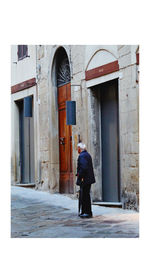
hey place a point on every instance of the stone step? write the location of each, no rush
(108, 204)
(31, 185)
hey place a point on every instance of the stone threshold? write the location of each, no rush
(108, 204)
(26, 185)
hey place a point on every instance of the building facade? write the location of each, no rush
(103, 80)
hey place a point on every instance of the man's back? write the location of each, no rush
(85, 168)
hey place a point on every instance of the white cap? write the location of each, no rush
(82, 146)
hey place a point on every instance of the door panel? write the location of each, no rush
(21, 138)
(32, 168)
(110, 143)
(26, 151)
(65, 141)
(62, 96)
(26, 135)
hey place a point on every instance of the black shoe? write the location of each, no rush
(84, 216)
(80, 214)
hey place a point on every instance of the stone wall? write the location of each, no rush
(85, 106)
(129, 126)
(87, 127)
(43, 110)
(22, 70)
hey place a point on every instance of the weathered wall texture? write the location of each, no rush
(22, 70)
(46, 132)
(129, 125)
(82, 58)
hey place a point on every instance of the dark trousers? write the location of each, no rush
(86, 199)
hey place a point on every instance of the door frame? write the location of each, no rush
(26, 133)
(55, 60)
(15, 167)
(89, 85)
(70, 186)
(118, 133)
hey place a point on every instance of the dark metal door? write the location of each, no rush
(32, 167)
(110, 141)
(26, 128)
(21, 139)
(28, 150)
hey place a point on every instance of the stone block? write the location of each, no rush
(130, 200)
(78, 99)
(54, 150)
(43, 98)
(44, 133)
(78, 77)
(45, 179)
(129, 143)
(120, 46)
(124, 50)
(134, 175)
(44, 143)
(43, 109)
(128, 94)
(128, 121)
(40, 52)
(125, 83)
(130, 101)
(129, 77)
(77, 56)
(127, 72)
(54, 178)
(44, 155)
(43, 86)
(45, 184)
(124, 61)
(131, 160)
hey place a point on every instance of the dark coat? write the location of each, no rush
(85, 169)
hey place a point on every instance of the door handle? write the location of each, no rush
(62, 140)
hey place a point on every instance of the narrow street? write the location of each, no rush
(36, 214)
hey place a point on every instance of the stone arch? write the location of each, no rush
(101, 57)
(98, 51)
(58, 51)
(61, 133)
(102, 66)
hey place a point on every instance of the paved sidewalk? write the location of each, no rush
(36, 214)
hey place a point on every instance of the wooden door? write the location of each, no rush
(110, 141)
(65, 141)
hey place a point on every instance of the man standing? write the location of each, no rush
(85, 177)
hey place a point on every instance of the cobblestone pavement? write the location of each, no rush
(34, 217)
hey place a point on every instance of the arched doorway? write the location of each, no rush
(65, 131)
(102, 79)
